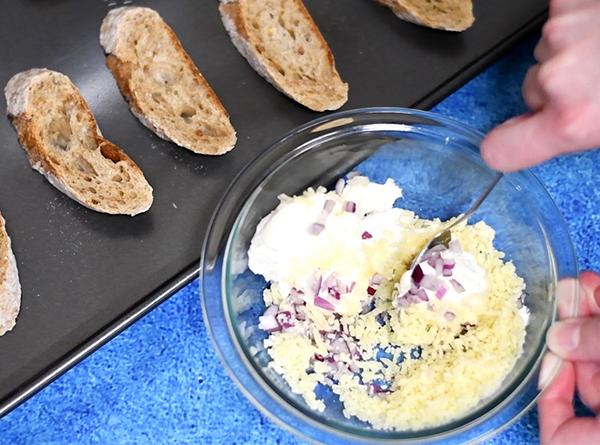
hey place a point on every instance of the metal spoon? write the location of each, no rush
(445, 236)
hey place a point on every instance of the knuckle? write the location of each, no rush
(549, 77)
(554, 31)
(567, 125)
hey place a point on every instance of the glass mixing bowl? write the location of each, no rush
(436, 161)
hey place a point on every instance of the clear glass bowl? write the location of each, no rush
(437, 163)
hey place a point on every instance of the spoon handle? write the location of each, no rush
(465, 216)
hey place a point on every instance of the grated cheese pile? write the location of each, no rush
(341, 311)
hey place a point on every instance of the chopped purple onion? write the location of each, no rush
(350, 206)
(316, 228)
(376, 279)
(457, 286)
(450, 316)
(366, 235)
(441, 291)
(329, 205)
(417, 274)
(334, 293)
(323, 304)
(268, 323)
(371, 290)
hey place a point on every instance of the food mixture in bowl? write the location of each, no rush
(403, 349)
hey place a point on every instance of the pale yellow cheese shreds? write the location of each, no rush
(455, 373)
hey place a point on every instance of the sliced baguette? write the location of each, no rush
(58, 131)
(163, 87)
(282, 43)
(10, 288)
(448, 15)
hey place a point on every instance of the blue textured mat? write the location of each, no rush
(160, 381)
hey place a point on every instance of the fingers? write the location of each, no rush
(588, 384)
(522, 142)
(556, 403)
(589, 297)
(566, 29)
(576, 339)
(558, 7)
(534, 96)
(576, 431)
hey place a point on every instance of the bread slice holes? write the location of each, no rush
(84, 166)
(300, 50)
(92, 190)
(187, 113)
(95, 202)
(255, 25)
(117, 178)
(111, 151)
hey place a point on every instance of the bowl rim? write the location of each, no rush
(329, 123)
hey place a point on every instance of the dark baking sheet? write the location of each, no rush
(86, 276)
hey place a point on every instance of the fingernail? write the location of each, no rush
(548, 369)
(563, 337)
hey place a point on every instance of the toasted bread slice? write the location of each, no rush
(10, 288)
(164, 88)
(282, 43)
(448, 15)
(58, 131)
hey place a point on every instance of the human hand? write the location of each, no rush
(577, 341)
(561, 91)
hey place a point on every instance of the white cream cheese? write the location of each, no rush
(358, 233)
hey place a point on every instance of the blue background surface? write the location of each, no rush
(160, 380)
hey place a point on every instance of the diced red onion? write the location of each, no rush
(319, 357)
(316, 228)
(351, 287)
(422, 295)
(429, 282)
(350, 206)
(268, 323)
(417, 274)
(271, 311)
(314, 283)
(284, 318)
(366, 235)
(457, 286)
(403, 302)
(449, 316)
(376, 279)
(339, 346)
(371, 290)
(329, 205)
(334, 293)
(441, 291)
(324, 304)
(447, 272)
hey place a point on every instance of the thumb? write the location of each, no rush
(576, 339)
(522, 142)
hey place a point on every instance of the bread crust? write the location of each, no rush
(18, 97)
(10, 287)
(112, 32)
(404, 11)
(236, 25)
